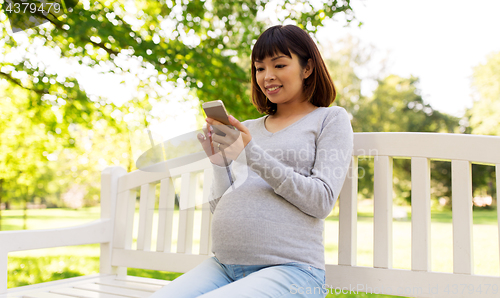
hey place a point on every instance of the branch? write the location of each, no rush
(59, 26)
(18, 83)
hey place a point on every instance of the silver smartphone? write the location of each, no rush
(216, 110)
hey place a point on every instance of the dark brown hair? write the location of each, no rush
(318, 87)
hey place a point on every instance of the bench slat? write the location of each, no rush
(348, 215)
(420, 214)
(166, 207)
(174, 262)
(497, 173)
(44, 295)
(206, 214)
(82, 293)
(97, 231)
(172, 168)
(461, 192)
(109, 195)
(51, 285)
(130, 285)
(408, 283)
(114, 290)
(75, 287)
(382, 213)
(143, 280)
(146, 211)
(124, 219)
(441, 146)
(186, 213)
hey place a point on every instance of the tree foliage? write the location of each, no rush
(203, 45)
(397, 106)
(484, 116)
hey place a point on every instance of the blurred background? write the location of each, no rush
(75, 90)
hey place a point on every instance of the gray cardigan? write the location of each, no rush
(285, 184)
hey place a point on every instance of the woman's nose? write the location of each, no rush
(269, 75)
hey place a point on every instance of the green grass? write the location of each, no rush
(30, 267)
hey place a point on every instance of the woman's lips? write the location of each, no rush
(274, 91)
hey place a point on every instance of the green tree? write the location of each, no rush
(397, 106)
(204, 44)
(484, 116)
(342, 66)
(198, 42)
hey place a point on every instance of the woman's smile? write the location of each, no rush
(274, 90)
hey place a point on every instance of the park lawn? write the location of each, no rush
(30, 267)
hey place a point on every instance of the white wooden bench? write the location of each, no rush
(114, 231)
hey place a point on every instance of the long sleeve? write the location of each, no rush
(220, 183)
(316, 194)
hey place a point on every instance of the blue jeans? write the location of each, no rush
(212, 279)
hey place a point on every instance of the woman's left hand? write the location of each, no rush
(234, 141)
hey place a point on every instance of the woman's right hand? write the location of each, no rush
(204, 139)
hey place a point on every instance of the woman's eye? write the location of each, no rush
(277, 66)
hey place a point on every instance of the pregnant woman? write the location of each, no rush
(288, 166)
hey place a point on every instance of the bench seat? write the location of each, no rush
(92, 286)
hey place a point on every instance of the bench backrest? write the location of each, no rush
(156, 230)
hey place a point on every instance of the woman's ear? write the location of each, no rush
(308, 69)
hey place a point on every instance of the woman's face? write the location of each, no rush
(281, 78)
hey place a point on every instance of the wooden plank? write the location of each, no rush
(4, 260)
(174, 167)
(44, 295)
(497, 174)
(166, 207)
(109, 197)
(442, 146)
(173, 262)
(348, 216)
(186, 213)
(68, 282)
(205, 213)
(399, 282)
(146, 211)
(114, 290)
(382, 213)
(124, 220)
(82, 293)
(97, 231)
(130, 285)
(420, 214)
(461, 183)
(143, 280)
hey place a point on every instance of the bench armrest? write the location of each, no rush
(97, 231)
